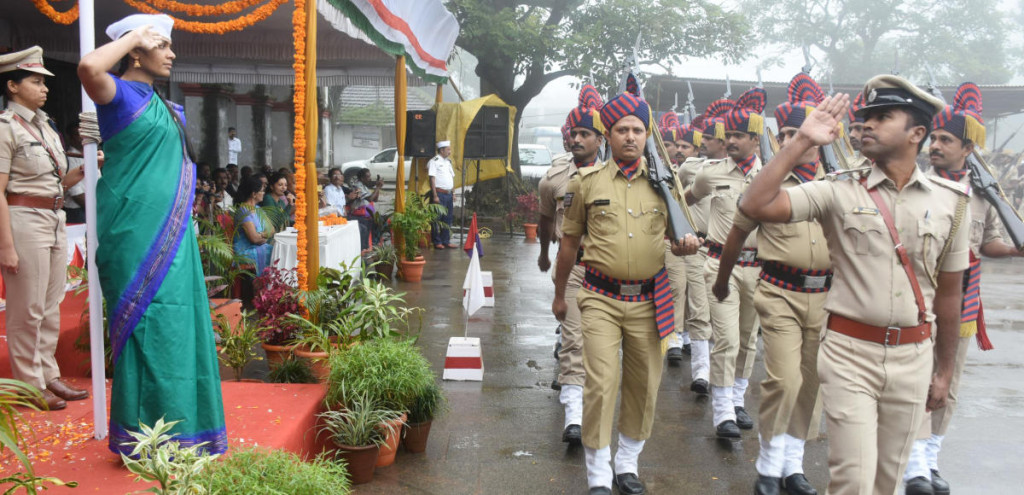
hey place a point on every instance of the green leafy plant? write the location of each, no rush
(429, 403)
(385, 253)
(13, 394)
(417, 217)
(389, 372)
(157, 457)
(360, 424)
(292, 370)
(238, 344)
(380, 310)
(217, 253)
(255, 470)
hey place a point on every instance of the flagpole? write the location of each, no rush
(86, 44)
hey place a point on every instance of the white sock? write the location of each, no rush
(571, 398)
(772, 456)
(599, 466)
(918, 463)
(700, 359)
(686, 338)
(674, 342)
(739, 389)
(628, 454)
(934, 446)
(794, 455)
(721, 405)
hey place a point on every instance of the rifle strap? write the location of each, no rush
(901, 250)
(958, 220)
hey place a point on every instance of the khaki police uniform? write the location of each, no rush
(698, 317)
(874, 394)
(551, 191)
(34, 293)
(733, 321)
(792, 317)
(625, 222)
(985, 228)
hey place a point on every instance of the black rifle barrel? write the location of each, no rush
(986, 185)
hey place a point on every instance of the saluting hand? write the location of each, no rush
(147, 38)
(822, 125)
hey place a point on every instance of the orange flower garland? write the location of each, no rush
(59, 17)
(231, 7)
(258, 15)
(299, 140)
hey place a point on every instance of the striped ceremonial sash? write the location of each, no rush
(972, 316)
(793, 274)
(664, 312)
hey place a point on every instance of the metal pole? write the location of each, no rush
(462, 223)
(86, 44)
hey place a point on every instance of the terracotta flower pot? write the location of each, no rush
(361, 462)
(318, 362)
(412, 271)
(531, 231)
(384, 270)
(276, 353)
(389, 448)
(415, 438)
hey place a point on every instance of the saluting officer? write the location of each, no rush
(624, 287)
(584, 125)
(733, 320)
(33, 246)
(898, 254)
(795, 277)
(957, 129)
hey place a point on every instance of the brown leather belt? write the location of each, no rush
(446, 191)
(40, 202)
(880, 335)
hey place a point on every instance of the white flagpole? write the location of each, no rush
(87, 42)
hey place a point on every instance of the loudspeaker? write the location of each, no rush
(487, 136)
(420, 133)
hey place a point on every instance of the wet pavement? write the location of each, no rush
(503, 435)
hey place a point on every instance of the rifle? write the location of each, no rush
(691, 111)
(986, 185)
(827, 153)
(660, 176)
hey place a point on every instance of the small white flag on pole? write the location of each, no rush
(474, 285)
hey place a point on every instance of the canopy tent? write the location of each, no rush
(453, 120)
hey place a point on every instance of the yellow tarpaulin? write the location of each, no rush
(453, 120)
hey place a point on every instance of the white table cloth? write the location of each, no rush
(338, 244)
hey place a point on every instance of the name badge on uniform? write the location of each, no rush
(863, 210)
(602, 202)
(568, 199)
(721, 188)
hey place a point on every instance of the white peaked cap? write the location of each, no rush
(444, 144)
(161, 23)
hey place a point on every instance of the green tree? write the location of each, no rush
(959, 39)
(521, 46)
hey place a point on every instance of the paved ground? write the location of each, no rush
(503, 435)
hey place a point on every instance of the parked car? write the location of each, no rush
(534, 160)
(384, 163)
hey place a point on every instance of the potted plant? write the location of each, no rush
(385, 258)
(525, 212)
(292, 370)
(357, 432)
(429, 403)
(276, 298)
(237, 344)
(417, 217)
(387, 371)
(380, 309)
(251, 470)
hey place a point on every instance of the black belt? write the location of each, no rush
(798, 278)
(747, 257)
(617, 288)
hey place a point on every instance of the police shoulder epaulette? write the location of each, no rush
(587, 171)
(5, 115)
(851, 173)
(954, 186)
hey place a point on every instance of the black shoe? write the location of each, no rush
(797, 484)
(727, 429)
(558, 348)
(600, 490)
(939, 485)
(687, 349)
(630, 484)
(743, 420)
(555, 385)
(920, 486)
(674, 355)
(766, 485)
(700, 386)
(573, 435)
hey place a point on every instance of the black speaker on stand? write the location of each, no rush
(420, 133)
(487, 136)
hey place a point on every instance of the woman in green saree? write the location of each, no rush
(165, 362)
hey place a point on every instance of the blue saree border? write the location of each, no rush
(216, 440)
(148, 278)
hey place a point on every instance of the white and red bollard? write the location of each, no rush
(463, 361)
(488, 290)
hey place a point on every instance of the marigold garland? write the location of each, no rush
(226, 8)
(299, 140)
(59, 17)
(258, 15)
